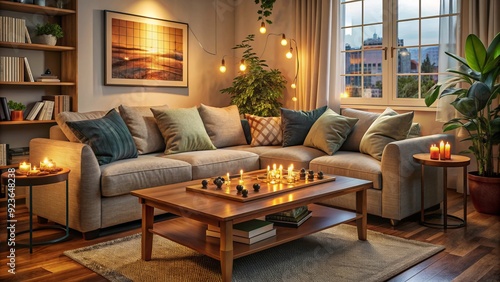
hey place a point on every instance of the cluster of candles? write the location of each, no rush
(45, 165)
(443, 152)
(275, 175)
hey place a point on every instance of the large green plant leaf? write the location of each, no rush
(475, 53)
(480, 92)
(466, 106)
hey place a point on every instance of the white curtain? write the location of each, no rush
(313, 36)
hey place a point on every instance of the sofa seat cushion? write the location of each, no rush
(259, 150)
(121, 177)
(218, 162)
(351, 164)
(299, 156)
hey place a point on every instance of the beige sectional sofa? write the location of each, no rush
(99, 193)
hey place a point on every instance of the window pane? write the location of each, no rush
(407, 9)
(373, 62)
(430, 8)
(405, 64)
(427, 82)
(372, 11)
(353, 63)
(407, 86)
(372, 86)
(352, 38)
(372, 35)
(408, 32)
(352, 13)
(430, 31)
(430, 59)
(353, 86)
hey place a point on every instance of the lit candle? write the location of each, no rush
(441, 150)
(34, 170)
(241, 176)
(281, 172)
(434, 152)
(44, 164)
(228, 178)
(268, 175)
(24, 167)
(447, 151)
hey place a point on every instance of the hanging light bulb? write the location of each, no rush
(294, 99)
(262, 27)
(289, 53)
(243, 67)
(222, 67)
(284, 42)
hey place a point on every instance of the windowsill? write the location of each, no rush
(394, 107)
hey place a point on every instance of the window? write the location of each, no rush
(393, 50)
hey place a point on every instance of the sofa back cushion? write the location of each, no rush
(365, 119)
(223, 125)
(142, 125)
(63, 117)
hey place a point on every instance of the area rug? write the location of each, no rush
(334, 254)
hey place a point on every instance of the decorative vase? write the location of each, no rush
(47, 39)
(485, 193)
(16, 115)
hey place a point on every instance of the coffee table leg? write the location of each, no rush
(226, 250)
(361, 209)
(147, 236)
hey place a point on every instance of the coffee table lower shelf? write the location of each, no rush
(191, 233)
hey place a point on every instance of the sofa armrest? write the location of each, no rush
(401, 176)
(84, 184)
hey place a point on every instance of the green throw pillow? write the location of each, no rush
(183, 130)
(296, 124)
(108, 137)
(388, 127)
(329, 132)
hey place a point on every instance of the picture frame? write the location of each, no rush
(144, 51)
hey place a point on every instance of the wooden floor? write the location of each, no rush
(471, 254)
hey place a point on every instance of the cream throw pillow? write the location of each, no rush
(223, 125)
(329, 131)
(182, 130)
(388, 127)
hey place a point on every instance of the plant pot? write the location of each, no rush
(485, 193)
(16, 115)
(47, 39)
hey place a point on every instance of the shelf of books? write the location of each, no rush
(193, 234)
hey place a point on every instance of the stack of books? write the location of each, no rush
(4, 154)
(48, 78)
(13, 30)
(48, 108)
(292, 218)
(247, 232)
(18, 155)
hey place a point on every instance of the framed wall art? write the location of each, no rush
(142, 51)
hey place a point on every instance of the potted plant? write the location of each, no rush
(477, 105)
(257, 90)
(48, 33)
(16, 110)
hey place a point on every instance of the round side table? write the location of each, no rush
(10, 178)
(455, 161)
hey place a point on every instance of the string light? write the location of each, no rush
(262, 27)
(284, 42)
(289, 54)
(243, 67)
(222, 67)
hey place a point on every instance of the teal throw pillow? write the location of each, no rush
(329, 132)
(296, 124)
(182, 130)
(108, 137)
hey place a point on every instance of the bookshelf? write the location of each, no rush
(60, 59)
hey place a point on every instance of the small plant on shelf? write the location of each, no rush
(16, 106)
(49, 29)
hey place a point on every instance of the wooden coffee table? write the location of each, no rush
(197, 210)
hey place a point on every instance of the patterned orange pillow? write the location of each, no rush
(265, 131)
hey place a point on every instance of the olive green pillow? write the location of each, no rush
(223, 125)
(388, 127)
(183, 130)
(329, 132)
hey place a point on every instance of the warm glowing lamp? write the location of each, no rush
(262, 27)
(289, 54)
(294, 99)
(293, 85)
(243, 67)
(222, 67)
(284, 42)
